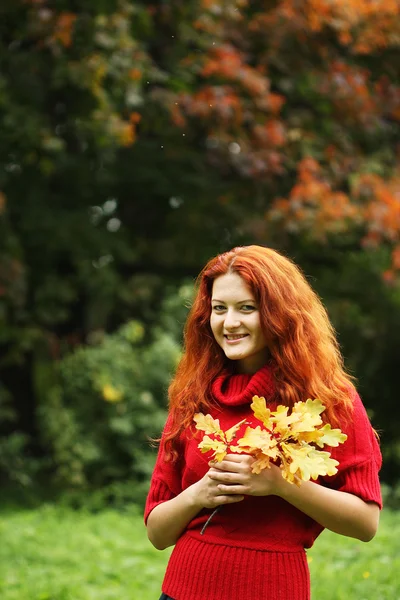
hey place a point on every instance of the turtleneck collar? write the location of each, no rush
(235, 390)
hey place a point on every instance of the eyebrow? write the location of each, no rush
(239, 302)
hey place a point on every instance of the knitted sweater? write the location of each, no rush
(253, 549)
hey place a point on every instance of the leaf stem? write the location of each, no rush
(214, 512)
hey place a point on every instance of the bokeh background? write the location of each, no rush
(137, 140)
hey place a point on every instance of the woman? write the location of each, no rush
(256, 328)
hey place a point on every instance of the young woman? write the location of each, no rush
(256, 328)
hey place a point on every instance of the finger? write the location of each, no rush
(242, 457)
(229, 480)
(231, 489)
(234, 459)
(234, 466)
(231, 499)
(226, 466)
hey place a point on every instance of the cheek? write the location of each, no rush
(259, 333)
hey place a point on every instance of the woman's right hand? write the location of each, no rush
(206, 493)
(168, 520)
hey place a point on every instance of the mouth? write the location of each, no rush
(235, 337)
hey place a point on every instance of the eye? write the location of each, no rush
(218, 307)
(248, 307)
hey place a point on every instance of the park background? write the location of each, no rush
(137, 140)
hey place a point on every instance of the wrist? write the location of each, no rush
(291, 491)
(192, 496)
(278, 485)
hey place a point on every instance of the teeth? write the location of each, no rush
(235, 337)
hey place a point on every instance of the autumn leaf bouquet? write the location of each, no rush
(292, 441)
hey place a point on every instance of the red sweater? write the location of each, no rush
(253, 549)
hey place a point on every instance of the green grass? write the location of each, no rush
(55, 553)
(346, 569)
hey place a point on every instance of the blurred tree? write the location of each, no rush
(140, 138)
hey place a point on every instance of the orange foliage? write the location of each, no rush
(389, 97)
(382, 208)
(275, 103)
(135, 74)
(177, 116)
(123, 131)
(225, 61)
(2, 202)
(336, 109)
(349, 89)
(135, 117)
(219, 101)
(396, 257)
(271, 133)
(128, 134)
(363, 25)
(313, 205)
(63, 28)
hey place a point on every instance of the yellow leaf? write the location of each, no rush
(262, 462)
(283, 421)
(219, 448)
(331, 437)
(309, 463)
(286, 439)
(260, 410)
(306, 423)
(308, 437)
(290, 477)
(230, 433)
(312, 407)
(256, 439)
(207, 424)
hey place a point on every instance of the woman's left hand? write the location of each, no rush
(234, 475)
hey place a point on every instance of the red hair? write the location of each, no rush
(300, 338)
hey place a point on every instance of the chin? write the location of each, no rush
(234, 357)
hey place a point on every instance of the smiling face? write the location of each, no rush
(235, 323)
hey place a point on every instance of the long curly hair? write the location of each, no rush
(300, 338)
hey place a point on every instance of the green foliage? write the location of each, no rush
(343, 569)
(110, 399)
(140, 139)
(15, 466)
(56, 553)
(366, 314)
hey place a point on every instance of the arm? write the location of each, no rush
(167, 520)
(338, 511)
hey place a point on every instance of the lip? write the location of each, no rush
(235, 340)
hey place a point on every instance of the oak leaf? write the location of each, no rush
(207, 424)
(260, 410)
(231, 433)
(219, 448)
(256, 439)
(330, 437)
(289, 440)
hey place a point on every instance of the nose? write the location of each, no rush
(232, 320)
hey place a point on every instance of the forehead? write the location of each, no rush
(231, 285)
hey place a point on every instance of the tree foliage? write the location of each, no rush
(138, 139)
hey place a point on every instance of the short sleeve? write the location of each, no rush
(359, 458)
(166, 479)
